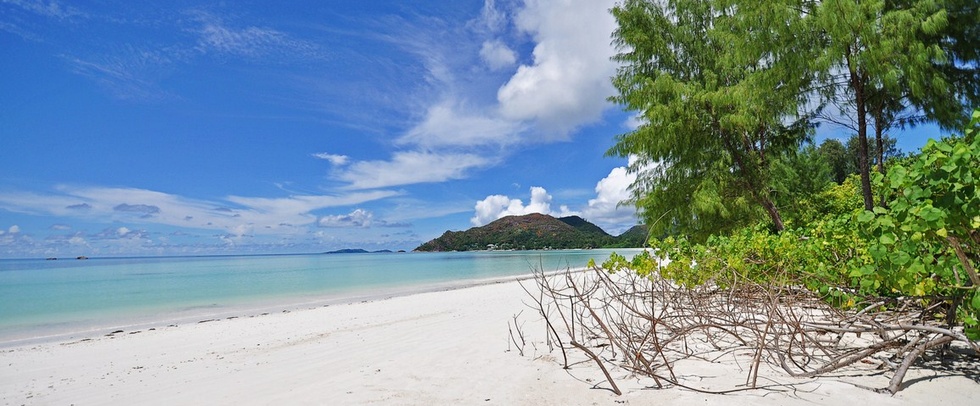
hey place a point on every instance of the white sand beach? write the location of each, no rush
(447, 347)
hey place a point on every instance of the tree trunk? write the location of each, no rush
(880, 144)
(880, 152)
(773, 212)
(857, 84)
(750, 168)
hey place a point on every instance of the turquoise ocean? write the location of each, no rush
(41, 298)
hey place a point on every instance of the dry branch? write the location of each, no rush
(646, 324)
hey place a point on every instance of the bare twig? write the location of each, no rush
(601, 366)
(647, 324)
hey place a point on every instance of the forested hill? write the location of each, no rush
(532, 232)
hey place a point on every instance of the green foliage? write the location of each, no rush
(829, 202)
(813, 258)
(798, 178)
(714, 93)
(836, 156)
(924, 244)
(899, 57)
(889, 151)
(697, 203)
(926, 241)
(635, 237)
(642, 264)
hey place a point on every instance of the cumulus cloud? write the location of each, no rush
(120, 233)
(356, 218)
(568, 82)
(77, 240)
(498, 206)
(335, 160)
(497, 55)
(125, 232)
(14, 229)
(607, 208)
(463, 125)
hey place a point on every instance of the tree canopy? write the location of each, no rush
(895, 63)
(725, 89)
(717, 102)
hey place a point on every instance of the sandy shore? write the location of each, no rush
(448, 347)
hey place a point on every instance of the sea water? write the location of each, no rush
(39, 297)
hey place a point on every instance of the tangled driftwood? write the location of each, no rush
(646, 325)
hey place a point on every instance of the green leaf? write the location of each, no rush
(865, 216)
(931, 214)
(900, 258)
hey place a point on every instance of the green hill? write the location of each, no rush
(530, 232)
(635, 237)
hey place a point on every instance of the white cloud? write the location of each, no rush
(633, 122)
(498, 206)
(235, 215)
(448, 123)
(335, 160)
(460, 130)
(497, 55)
(14, 229)
(605, 209)
(568, 82)
(411, 167)
(296, 210)
(357, 218)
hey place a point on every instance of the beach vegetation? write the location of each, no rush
(761, 240)
(722, 89)
(904, 274)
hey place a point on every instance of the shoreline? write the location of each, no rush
(448, 345)
(89, 329)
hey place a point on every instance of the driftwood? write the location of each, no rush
(644, 325)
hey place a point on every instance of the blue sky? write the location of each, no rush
(194, 127)
(206, 127)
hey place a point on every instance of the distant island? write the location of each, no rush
(356, 251)
(534, 232)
